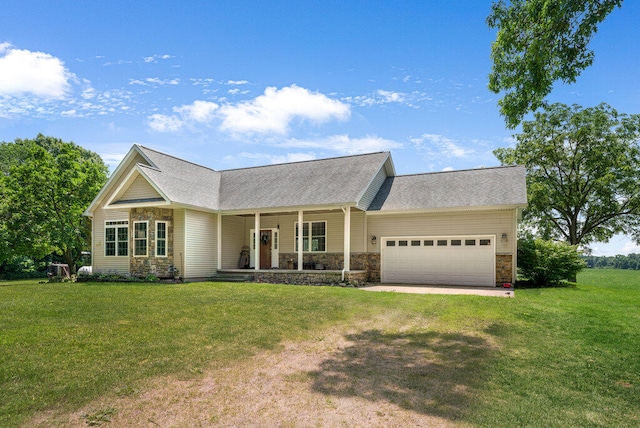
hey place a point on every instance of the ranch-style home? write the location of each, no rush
(329, 220)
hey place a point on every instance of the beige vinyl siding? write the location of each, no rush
(139, 189)
(357, 231)
(494, 222)
(233, 238)
(373, 189)
(100, 262)
(178, 240)
(200, 244)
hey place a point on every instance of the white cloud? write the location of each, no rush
(164, 123)
(198, 111)
(263, 158)
(36, 73)
(343, 144)
(274, 111)
(237, 82)
(441, 146)
(391, 97)
(202, 112)
(154, 81)
(156, 57)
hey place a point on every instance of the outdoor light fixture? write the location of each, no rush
(373, 240)
(504, 237)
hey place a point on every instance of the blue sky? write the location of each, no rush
(231, 84)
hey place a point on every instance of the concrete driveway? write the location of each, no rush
(442, 289)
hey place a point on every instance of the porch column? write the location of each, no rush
(256, 243)
(219, 242)
(347, 238)
(300, 239)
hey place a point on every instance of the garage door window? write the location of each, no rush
(415, 243)
(442, 242)
(402, 243)
(469, 242)
(485, 242)
(428, 243)
(456, 242)
(391, 243)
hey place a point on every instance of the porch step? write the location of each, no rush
(231, 277)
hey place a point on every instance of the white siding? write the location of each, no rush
(200, 244)
(139, 189)
(451, 223)
(178, 240)
(373, 189)
(233, 238)
(100, 262)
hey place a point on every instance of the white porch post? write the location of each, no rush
(256, 254)
(347, 238)
(219, 242)
(300, 239)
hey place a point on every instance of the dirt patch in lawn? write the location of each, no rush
(364, 375)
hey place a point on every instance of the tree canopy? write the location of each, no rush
(45, 186)
(583, 172)
(539, 42)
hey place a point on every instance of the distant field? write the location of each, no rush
(549, 357)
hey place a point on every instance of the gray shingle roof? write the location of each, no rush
(183, 182)
(320, 182)
(333, 181)
(455, 189)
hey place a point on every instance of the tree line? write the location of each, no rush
(632, 261)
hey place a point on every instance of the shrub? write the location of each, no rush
(547, 263)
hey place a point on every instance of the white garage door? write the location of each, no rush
(448, 260)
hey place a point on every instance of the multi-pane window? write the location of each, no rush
(314, 236)
(161, 238)
(116, 238)
(140, 234)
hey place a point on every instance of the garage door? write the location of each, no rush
(448, 260)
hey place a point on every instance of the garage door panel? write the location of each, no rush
(461, 261)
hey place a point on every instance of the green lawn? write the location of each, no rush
(549, 357)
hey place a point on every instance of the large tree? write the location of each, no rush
(46, 184)
(540, 42)
(583, 172)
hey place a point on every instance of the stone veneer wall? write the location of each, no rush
(151, 265)
(310, 277)
(504, 265)
(369, 262)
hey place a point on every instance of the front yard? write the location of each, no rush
(251, 354)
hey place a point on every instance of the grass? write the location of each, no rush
(549, 357)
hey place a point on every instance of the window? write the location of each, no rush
(428, 243)
(391, 243)
(140, 238)
(456, 242)
(116, 238)
(314, 233)
(415, 243)
(470, 242)
(161, 238)
(402, 243)
(485, 242)
(442, 242)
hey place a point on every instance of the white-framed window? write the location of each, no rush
(140, 238)
(314, 236)
(116, 238)
(162, 228)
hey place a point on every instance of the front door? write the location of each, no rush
(265, 249)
